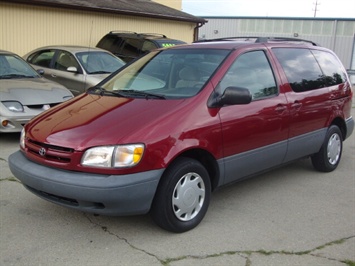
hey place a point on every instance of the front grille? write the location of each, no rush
(41, 106)
(49, 152)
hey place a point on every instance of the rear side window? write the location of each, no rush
(42, 58)
(333, 71)
(132, 47)
(301, 68)
(111, 43)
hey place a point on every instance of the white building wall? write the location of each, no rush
(335, 34)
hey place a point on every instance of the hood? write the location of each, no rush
(92, 120)
(32, 91)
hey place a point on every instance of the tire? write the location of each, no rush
(182, 197)
(328, 157)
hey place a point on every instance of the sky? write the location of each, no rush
(271, 8)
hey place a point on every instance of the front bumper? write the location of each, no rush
(14, 124)
(95, 193)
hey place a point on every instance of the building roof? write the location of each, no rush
(280, 18)
(143, 8)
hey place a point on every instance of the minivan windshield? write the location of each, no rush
(171, 73)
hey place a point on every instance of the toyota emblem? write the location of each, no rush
(42, 152)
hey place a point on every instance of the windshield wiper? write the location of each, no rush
(11, 76)
(144, 94)
(102, 91)
(100, 72)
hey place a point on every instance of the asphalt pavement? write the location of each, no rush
(293, 215)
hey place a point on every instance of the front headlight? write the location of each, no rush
(113, 156)
(22, 139)
(13, 106)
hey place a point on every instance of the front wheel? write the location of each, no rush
(328, 157)
(182, 197)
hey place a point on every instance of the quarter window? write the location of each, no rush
(333, 72)
(301, 68)
(42, 58)
(252, 71)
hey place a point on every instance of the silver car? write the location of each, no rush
(76, 67)
(24, 93)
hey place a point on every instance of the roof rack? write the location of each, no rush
(154, 34)
(260, 39)
(123, 31)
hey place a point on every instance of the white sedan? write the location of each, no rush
(24, 93)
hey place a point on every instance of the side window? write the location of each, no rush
(107, 42)
(301, 68)
(252, 71)
(132, 47)
(65, 60)
(333, 72)
(111, 43)
(42, 58)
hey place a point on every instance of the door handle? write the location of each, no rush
(53, 75)
(280, 108)
(296, 105)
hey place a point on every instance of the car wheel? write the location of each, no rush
(328, 157)
(182, 197)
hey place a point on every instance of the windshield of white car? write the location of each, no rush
(96, 62)
(13, 67)
(168, 74)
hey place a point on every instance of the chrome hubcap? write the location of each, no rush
(333, 149)
(188, 196)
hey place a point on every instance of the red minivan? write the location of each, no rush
(162, 133)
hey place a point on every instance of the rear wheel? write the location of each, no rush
(182, 197)
(328, 157)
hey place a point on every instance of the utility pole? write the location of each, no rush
(316, 4)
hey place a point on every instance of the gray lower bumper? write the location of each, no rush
(101, 194)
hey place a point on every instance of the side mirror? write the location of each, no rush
(72, 69)
(40, 71)
(231, 96)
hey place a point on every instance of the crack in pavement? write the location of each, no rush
(243, 253)
(11, 179)
(105, 229)
(248, 253)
